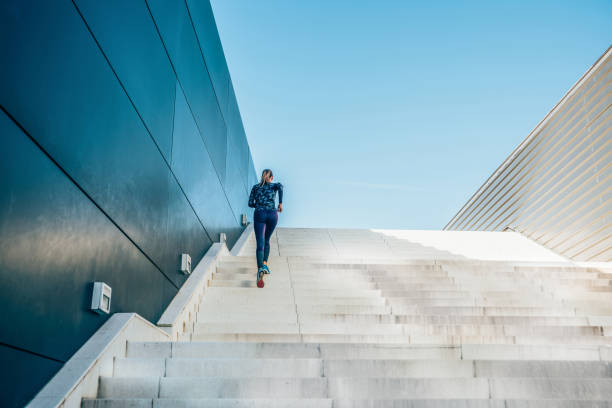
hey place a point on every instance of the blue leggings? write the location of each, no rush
(265, 222)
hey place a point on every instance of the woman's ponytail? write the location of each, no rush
(266, 175)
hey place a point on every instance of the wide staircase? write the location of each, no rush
(362, 319)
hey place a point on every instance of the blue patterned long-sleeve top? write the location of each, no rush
(262, 197)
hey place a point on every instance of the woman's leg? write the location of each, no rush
(271, 221)
(259, 225)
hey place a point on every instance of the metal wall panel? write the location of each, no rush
(105, 174)
(86, 122)
(178, 34)
(55, 243)
(19, 379)
(201, 15)
(237, 137)
(237, 161)
(128, 37)
(195, 171)
(556, 186)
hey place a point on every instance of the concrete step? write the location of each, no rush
(531, 275)
(254, 295)
(406, 277)
(499, 388)
(560, 352)
(600, 320)
(462, 292)
(245, 291)
(237, 294)
(444, 330)
(231, 303)
(427, 294)
(262, 326)
(466, 403)
(454, 285)
(222, 350)
(270, 299)
(204, 387)
(398, 368)
(418, 339)
(328, 283)
(371, 351)
(412, 285)
(546, 388)
(421, 388)
(234, 276)
(246, 314)
(424, 339)
(243, 403)
(296, 266)
(543, 369)
(587, 283)
(309, 325)
(338, 300)
(251, 283)
(366, 368)
(389, 351)
(421, 319)
(247, 337)
(378, 339)
(348, 309)
(430, 388)
(314, 350)
(226, 367)
(578, 340)
(336, 292)
(483, 310)
(208, 403)
(249, 269)
(330, 318)
(520, 302)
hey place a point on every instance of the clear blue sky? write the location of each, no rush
(390, 114)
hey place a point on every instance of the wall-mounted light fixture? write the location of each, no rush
(101, 298)
(186, 264)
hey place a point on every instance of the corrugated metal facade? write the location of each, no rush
(556, 187)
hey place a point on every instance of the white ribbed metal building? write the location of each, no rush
(556, 186)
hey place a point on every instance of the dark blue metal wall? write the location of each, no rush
(121, 147)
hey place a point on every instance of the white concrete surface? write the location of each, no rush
(239, 247)
(179, 316)
(379, 318)
(78, 378)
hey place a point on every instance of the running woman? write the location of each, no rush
(265, 218)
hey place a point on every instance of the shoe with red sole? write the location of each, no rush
(260, 275)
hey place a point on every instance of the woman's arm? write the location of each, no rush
(279, 188)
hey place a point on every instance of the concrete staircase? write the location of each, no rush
(366, 319)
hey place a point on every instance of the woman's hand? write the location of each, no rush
(280, 207)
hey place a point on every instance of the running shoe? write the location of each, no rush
(260, 274)
(266, 269)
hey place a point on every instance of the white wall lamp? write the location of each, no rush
(101, 298)
(186, 264)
